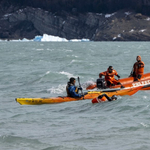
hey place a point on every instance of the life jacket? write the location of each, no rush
(97, 100)
(109, 76)
(139, 68)
(67, 90)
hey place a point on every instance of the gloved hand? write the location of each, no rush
(81, 95)
(139, 76)
(80, 88)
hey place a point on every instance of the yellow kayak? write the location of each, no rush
(89, 95)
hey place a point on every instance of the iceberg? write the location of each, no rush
(53, 38)
(48, 38)
(37, 38)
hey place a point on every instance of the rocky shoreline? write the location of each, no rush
(123, 25)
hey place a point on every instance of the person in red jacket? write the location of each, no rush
(138, 69)
(103, 98)
(109, 76)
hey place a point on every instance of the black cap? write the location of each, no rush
(110, 67)
(72, 79)
(114, 97)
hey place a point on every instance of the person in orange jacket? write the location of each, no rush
(138, 69)
(109, 76)
(103, 98)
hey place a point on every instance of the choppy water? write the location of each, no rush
(30, 69)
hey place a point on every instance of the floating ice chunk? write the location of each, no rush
(26, 40)
(75, 40)
(37, 38)
(85, 40)
(23, 40)
(79, 40)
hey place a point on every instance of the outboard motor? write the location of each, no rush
(101, 83)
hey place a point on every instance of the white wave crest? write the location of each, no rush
(86, 84)
(69, 75)
(143, 124)
(47, 72)
(145, 97)
(39, 49)
(75, 61)
(57, 90)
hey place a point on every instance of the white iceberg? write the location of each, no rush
(53, 38)
(50, 38)
(37, 38)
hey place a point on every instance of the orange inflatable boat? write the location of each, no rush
(145, 80)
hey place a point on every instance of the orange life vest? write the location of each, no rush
(109, 76)
(139, 68)
(96, 100)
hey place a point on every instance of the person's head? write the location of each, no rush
(110, 69)
(114, 97)
(72, 80)
(138, 58)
